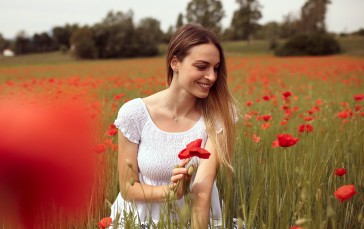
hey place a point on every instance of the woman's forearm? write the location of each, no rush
(144, 192)
(201, 203)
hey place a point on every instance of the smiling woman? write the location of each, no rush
(197, 105)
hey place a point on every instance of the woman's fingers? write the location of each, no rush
(184, 162)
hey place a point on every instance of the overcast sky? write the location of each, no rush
(35, 16)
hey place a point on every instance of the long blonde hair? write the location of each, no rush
(218, 108)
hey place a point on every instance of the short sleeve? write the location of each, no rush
(128, 120)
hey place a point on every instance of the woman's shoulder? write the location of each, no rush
(132, 109)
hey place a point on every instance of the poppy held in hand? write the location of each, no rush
(194, 149)
(345, 192)
(286, 140)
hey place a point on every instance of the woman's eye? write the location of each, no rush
(201, 67)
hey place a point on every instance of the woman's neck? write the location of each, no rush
(180, 104)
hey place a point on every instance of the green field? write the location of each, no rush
(271, 187)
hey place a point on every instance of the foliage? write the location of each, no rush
(22, 43)
(313, 14)
(62, 35)
(43, 43)
(311, 45)
(4, 43)
(179, 22)
(244, 21)
(82, 44)
(208, 13)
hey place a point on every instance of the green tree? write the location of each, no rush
(83, 44)
(43, 43)
(289, 26)
(22, 43)
(4, 43)
(115, 36)
(208, 13)
(313, 14)
(149, 35)
(62, 35)
(179, 20)
(244, 22)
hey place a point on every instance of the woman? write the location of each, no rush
(153, 130)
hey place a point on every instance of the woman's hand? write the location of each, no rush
(179, 179)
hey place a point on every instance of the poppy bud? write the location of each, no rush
(132, 181)
(190, 170)
(128, 162)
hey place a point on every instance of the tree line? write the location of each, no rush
(118, 36)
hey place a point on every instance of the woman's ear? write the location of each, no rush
(174, 64)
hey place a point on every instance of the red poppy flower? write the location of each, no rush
(340, 172)
(112, 130)
(267, 117)
(286, 140)
(194, 149)
(265, 126)
(249, 103)
(256, 138)
(358, 97)
(345, 192)
(345, 114)
(275, 144)
(286, 94)
(309, 118)
(266, 98)
(100, 148)
(305, 128)
(104, 223)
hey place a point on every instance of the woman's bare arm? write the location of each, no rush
(202, 188)
(130, 187)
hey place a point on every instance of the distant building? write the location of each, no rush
(8, 53)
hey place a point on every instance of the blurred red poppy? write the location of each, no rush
(267, 117)
(112, 130)
(100, 148)
(104, 223)
(286, 94)
(266, 98)
(340, 172)
(194, 149)
(286, 140)
(345, 192)
(249, 103)
(305, 128)
(256, 138)
(275, 144)
(345, 114)
(358, 97)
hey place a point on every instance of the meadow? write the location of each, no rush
(316, 100)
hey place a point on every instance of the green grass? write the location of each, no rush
(271, 187)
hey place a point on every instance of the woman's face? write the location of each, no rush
(198, 70)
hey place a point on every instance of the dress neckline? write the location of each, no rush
(167, 132)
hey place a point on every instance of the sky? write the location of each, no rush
(36, 16)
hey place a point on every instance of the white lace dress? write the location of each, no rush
(157, 155)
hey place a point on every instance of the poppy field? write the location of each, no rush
(298, 161)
